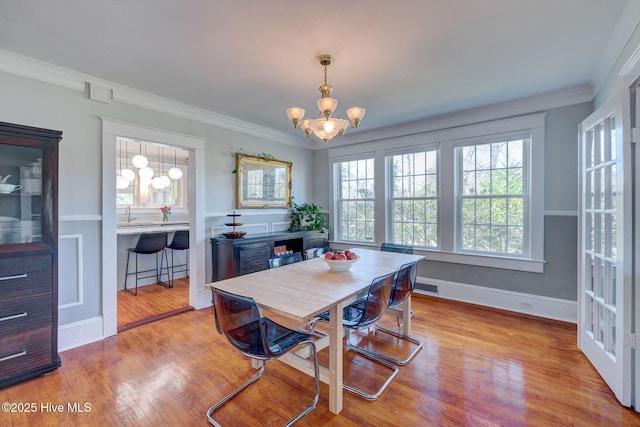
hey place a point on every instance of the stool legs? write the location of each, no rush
(160, 264)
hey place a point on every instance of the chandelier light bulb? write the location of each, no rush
(121, 182)
(129, 174)
(175, 173)
(139, 161)
(145, 172)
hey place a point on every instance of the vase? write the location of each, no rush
(165, 217)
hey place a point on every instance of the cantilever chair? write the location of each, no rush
(148, 244)
(403, 286)
(360, 315)
(281, 260)
(395, 247)
(238, 319)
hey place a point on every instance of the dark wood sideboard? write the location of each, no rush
(235, 257)
(28, 253)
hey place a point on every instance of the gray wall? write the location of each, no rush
(34, 103)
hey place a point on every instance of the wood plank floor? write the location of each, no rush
(152, 303)
(478, 367)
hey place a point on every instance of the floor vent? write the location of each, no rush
(432, 289)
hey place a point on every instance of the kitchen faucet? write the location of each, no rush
(129, 219)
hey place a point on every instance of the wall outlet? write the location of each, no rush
(526, 306)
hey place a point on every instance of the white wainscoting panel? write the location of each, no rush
(70, 280)
(280, 226)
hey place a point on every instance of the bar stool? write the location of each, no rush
(180, 242)
(149, 243)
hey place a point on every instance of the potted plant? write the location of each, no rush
(306, 217)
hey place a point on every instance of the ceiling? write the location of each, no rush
(250, 60)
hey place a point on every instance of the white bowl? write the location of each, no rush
(339, 264)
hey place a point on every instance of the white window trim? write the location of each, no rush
(534, 123)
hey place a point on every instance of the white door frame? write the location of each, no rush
(111, 129)
(630, 76)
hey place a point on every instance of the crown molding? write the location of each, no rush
(533, 104)
(48, 73)
(620, 37)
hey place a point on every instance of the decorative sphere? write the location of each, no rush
(145, 172)
(128, 173)
(139, 161)
(121, 182)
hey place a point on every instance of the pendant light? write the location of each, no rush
(175, 172)
(145, 171)
(121, 181)
(139, 160)
(126, 172)
(162, 181)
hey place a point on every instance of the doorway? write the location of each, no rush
(111, 130)
(152, 196)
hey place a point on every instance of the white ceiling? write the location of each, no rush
(403, 60)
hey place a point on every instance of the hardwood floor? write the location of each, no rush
(152, 303)
(478, 367)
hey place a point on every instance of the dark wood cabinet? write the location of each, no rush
(28, 252)
(235, 257)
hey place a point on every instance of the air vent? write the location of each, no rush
(432, 289)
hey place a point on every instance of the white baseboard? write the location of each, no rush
(535, 305)
(80, 333)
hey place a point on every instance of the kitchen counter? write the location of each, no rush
(150, 227)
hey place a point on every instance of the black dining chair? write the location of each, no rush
(403, 286)
(396, 247)
(238, 319)
(360, 315)
(281, 260)
(179, 242)
(149, 244)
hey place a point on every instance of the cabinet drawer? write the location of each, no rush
(253, 258)
(25, 351)
(25, 275)
(26, 312)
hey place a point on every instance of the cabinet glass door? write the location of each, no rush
(20, 194)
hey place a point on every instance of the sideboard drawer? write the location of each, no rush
(24, 274)
(25, 311)
(25, 351)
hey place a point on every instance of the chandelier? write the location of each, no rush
(325, 126)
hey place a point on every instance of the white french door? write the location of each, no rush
(605, 256)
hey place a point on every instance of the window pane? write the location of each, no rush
(415, 208)
(355, 203)
(492, 214)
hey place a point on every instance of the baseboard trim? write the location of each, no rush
(535, 305)
(75, 334)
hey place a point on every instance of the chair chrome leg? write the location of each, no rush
(400, 362)
(253, 379)
(231, 396)
(376, 395)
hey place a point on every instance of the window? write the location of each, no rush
(492, 196)
(142, 192)
(414, 198)
(355, 200)
(471, 194)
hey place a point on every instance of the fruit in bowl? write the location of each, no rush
(340, 260)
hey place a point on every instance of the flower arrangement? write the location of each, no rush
(166, 211)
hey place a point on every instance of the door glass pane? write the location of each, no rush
(611, 339)
(600, 328)
(612, 136)
(20, 194)
(601, 279)
(610, 298)
(589, 273)
(589, 315)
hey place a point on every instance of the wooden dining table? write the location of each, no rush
(305, 289)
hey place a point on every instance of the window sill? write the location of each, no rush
(518, 264)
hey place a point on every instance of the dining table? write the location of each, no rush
(302, 290)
